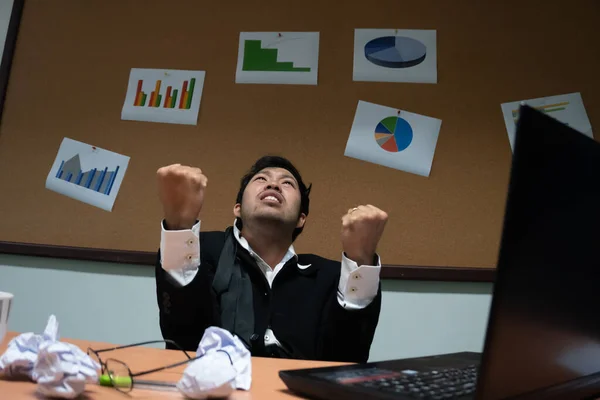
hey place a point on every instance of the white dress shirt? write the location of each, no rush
(180, 257)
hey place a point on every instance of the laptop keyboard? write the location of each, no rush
(443, 384)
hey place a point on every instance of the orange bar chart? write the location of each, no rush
(171, 95)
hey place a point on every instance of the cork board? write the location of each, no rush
(69, 77)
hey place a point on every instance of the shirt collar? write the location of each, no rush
(244, 243)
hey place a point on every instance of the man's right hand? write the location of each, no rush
(181, 192)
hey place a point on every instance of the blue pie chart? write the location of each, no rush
(393, 134)
(395, 52)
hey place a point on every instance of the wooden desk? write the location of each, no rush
(265, 379)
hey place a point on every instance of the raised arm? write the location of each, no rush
(179, 291)
(352, 315)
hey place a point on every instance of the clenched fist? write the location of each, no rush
(181, 192)
(362, 228)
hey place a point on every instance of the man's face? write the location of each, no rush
(272, 195)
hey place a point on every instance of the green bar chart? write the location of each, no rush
(258, 59)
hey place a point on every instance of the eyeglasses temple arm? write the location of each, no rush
(143, 343)
(177, 365)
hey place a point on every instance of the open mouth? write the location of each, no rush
(271, 197)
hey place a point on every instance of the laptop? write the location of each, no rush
(543, 333)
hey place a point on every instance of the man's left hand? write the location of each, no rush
(362, 228)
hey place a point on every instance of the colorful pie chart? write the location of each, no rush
(393, 134)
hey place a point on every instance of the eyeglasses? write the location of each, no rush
(117, 374)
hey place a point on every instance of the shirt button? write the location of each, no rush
(357, 276)
(267, 338)
(190, 242)
(353, 289)
(189, 257)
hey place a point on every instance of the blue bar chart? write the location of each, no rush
(98, 180)
(87, 173)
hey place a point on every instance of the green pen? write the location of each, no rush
(127, 382)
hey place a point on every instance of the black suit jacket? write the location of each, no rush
(301, 307)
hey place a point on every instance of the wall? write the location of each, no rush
(117, 303)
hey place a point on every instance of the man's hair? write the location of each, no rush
(277, 162)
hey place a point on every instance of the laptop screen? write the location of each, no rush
(544, 326)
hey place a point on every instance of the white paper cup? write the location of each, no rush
(5, 302)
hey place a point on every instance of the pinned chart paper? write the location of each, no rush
(278, 57)
(393, 138)
(87, 173)
(395, 55)
(163, 95)
(566, 108)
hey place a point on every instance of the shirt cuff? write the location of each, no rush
(358, 284)
(180, 252)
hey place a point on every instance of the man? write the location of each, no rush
(250, 281)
